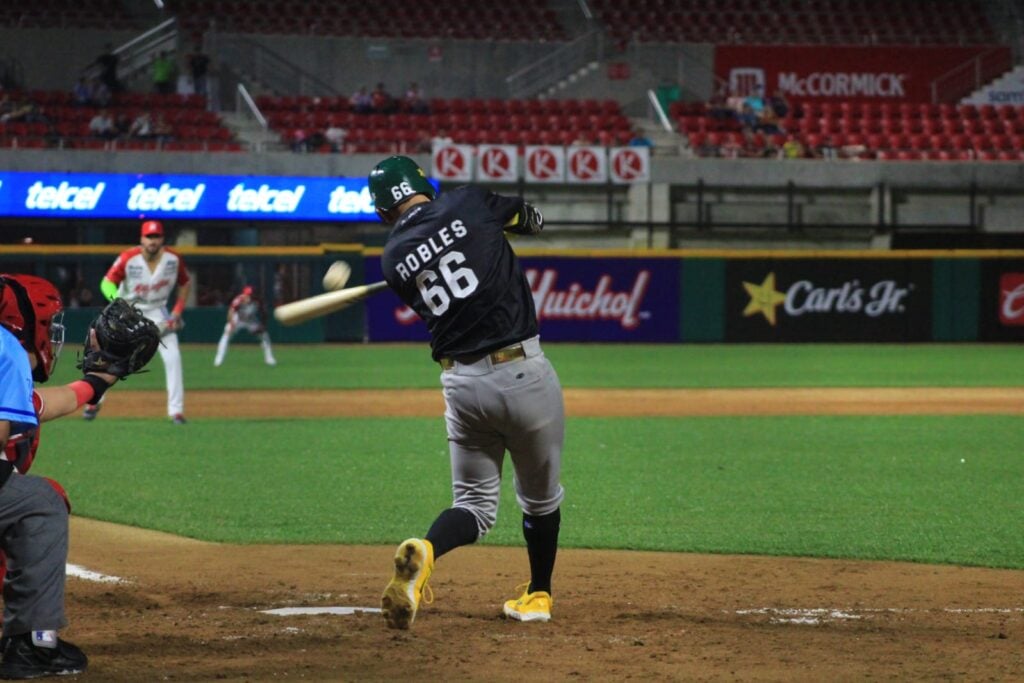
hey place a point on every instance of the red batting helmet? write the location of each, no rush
(31, 309)
(247, 290)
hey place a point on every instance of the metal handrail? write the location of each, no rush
(144, 35)
(266, 65)
(251, 104)
(974, 64)
(556, 65)
(665, 123)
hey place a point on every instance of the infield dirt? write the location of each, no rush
(192, 611)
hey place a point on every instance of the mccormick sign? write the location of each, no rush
(842, 74)
(613, 299)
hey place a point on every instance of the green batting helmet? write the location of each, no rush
(395, 179)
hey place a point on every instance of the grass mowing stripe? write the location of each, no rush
(856, 487)
(356, 366)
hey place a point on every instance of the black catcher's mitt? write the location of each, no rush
(124, 341)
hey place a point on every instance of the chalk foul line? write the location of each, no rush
(292, 611)
(818, 615)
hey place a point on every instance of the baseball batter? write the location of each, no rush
(245, 312)
(145, 276)
(448, 259)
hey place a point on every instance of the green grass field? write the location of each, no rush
(921, 488)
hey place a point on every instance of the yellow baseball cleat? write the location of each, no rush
(535, 606)
(414, 562)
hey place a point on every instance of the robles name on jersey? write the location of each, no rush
(434, 245)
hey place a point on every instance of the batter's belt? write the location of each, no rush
(503, 355)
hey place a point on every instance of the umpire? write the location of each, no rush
(448, 259)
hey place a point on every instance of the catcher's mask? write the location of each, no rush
(396, 179)
(31, 309)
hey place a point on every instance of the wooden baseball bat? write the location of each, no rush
(322, 304)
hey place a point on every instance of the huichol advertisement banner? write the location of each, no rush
(577, 299)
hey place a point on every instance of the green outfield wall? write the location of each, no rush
(677, 295)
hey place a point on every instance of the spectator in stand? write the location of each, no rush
(747, 117)
(768, 122)
(381, 100)
(731, 148)
(735, 103)
(361, 102)
(441, 137)
(827, 150)
(755, 100)
(719, 108)
(142, 126)
(415, 103)
(162, 130)
(162, 69)
(792, 148)
(19, 111)
(640, 140)
(81, 96)
(99, 93)
(779, 104)
(102, 125)
(199, 65)
(335, 135)
(123, 124)
(108, 62)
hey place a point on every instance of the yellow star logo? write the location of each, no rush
(763, 299)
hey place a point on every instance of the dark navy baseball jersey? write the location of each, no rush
(449, 260)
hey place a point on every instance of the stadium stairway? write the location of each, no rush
(1011, 80)
(249, 133)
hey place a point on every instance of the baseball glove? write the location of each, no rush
(120, 341)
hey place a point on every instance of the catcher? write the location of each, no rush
(246, 312)
(34, 510)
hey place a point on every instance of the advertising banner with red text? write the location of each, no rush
(879, 73)
(577, 299)
(1001, 314)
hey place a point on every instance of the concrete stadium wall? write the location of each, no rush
(846, 197)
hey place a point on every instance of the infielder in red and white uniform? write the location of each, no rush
(245, 313)
(146, 275)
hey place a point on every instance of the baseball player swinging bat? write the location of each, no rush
(322, 304)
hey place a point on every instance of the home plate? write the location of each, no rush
(289, 611)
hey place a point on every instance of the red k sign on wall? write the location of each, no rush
(497, 163)
(452, 162)
(844, 73)
(585, 164)
(544, 164)
(629, 165)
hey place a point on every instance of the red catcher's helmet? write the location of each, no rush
(31, 309)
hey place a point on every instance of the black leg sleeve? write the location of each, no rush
(452, 528)
(541, 534)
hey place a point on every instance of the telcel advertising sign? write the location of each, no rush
(129, 196)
